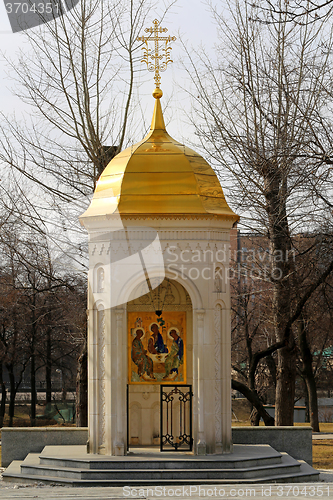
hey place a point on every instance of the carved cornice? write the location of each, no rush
(177, 239)
(164, 233)
(177, 217)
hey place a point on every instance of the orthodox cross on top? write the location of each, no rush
(153, 57)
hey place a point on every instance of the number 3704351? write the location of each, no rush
(39, 8)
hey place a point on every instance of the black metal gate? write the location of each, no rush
(176, 418)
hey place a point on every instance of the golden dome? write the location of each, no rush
(159, 176)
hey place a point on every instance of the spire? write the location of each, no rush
(157, 122)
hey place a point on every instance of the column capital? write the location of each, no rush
(119, 313)
(200, 313)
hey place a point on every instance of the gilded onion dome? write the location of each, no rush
(159, 177)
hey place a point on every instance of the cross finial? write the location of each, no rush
(152, 57)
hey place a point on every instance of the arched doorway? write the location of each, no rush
(163, 364)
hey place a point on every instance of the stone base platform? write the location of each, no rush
(72, 466)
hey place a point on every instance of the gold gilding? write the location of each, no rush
(158, 58)
(159, 176)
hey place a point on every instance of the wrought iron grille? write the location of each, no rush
(176, 418)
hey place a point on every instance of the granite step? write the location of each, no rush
(288, 466)
(301, 477)
(153, 464)
(32, 471)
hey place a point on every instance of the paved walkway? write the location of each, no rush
(322, 435)
(315, 491)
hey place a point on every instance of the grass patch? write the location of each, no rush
(241, 410)
(322, 452)
(326, 427)
(22, 415)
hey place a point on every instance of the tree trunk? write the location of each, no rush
(82, 390)
(285, 387)
(33, 391)
(307, 373)
(313, 402)
(255, 417)
(272, 368)
(3, 397)
(254, 399)
(280, 247)
(12, 385)
(48, 369)
(306, 402)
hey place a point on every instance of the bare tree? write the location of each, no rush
(248, 351)
(42, 314)
(253, 346)
(263, 117)
(13, 353)
(78, 74)
(297, 11)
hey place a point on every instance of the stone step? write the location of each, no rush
(301, 477)
(138, 474)
(288, 470)
(242, 456)
(158, 464)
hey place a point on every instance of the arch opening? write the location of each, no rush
(159, 351)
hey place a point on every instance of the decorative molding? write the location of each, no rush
(183, 240)
(218, 374)
(100, 279)
(119, 317)
(200, 316)
(219, 278)
(139, 235)
(144, 299)
(191, 236)
(146, 308)
(169, 294)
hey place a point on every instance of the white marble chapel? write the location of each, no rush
(159, 229)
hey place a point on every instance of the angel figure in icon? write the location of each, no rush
(176, 355)
(140, 358)
(156, 343)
